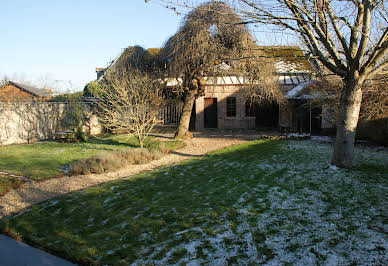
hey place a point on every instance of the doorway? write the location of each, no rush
(210, 113)
(193, 117)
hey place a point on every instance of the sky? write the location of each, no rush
(64, 41)
(61, 42)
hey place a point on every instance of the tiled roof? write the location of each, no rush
(31, 90)
(291, 65)
(287, 58)
(291, 78)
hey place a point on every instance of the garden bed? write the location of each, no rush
(44, 160)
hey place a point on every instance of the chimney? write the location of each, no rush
(100, 71)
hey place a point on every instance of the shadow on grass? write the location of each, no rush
(185, 154)
(156, 135)
(109, 141)
(150, 214)
(164, 200)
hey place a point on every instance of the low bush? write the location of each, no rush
(165, 147)
(8, 183)
(110, 161)
(82, 136)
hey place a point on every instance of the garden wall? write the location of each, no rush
(35, 121)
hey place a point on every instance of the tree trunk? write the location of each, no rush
(347, 120)
(184, 121)
(140, 141)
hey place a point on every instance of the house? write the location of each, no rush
(12, 91)
(224, 104)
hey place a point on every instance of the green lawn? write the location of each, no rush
(44, 160)
(47, 159)
(256, 203)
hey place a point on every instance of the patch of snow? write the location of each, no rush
(137, 216)
(123, 225)
(242, 197)
(191, 247)
(321, 138)
(298, 135)
(107, 200)
(297, 89)
(334, 259)
(333, 167)
(197, 229)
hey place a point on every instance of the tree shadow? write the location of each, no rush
(111, 142)
(185, 154)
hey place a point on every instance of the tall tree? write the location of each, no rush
(213, 41)
(348, 37)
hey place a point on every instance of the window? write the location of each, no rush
(250, 109)
(231, 107)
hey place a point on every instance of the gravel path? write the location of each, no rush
(33, 193)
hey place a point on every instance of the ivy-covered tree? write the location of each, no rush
(213, 36)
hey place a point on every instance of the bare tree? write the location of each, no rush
(3, 80)
(213, 41)
(130, 101)
(349, 38)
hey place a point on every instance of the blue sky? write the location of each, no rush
(64, 41)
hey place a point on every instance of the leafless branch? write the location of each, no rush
(130, 101)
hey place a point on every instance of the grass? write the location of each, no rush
(256, 203)
(40, 161)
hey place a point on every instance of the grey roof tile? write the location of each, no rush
(31, 90)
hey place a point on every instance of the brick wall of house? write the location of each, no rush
(240, 121)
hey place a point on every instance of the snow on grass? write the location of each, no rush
(258, 203)
(301, 226)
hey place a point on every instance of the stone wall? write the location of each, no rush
(35, 121)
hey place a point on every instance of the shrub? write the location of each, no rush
(81, 136)
(163, 148)
(107, 162)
